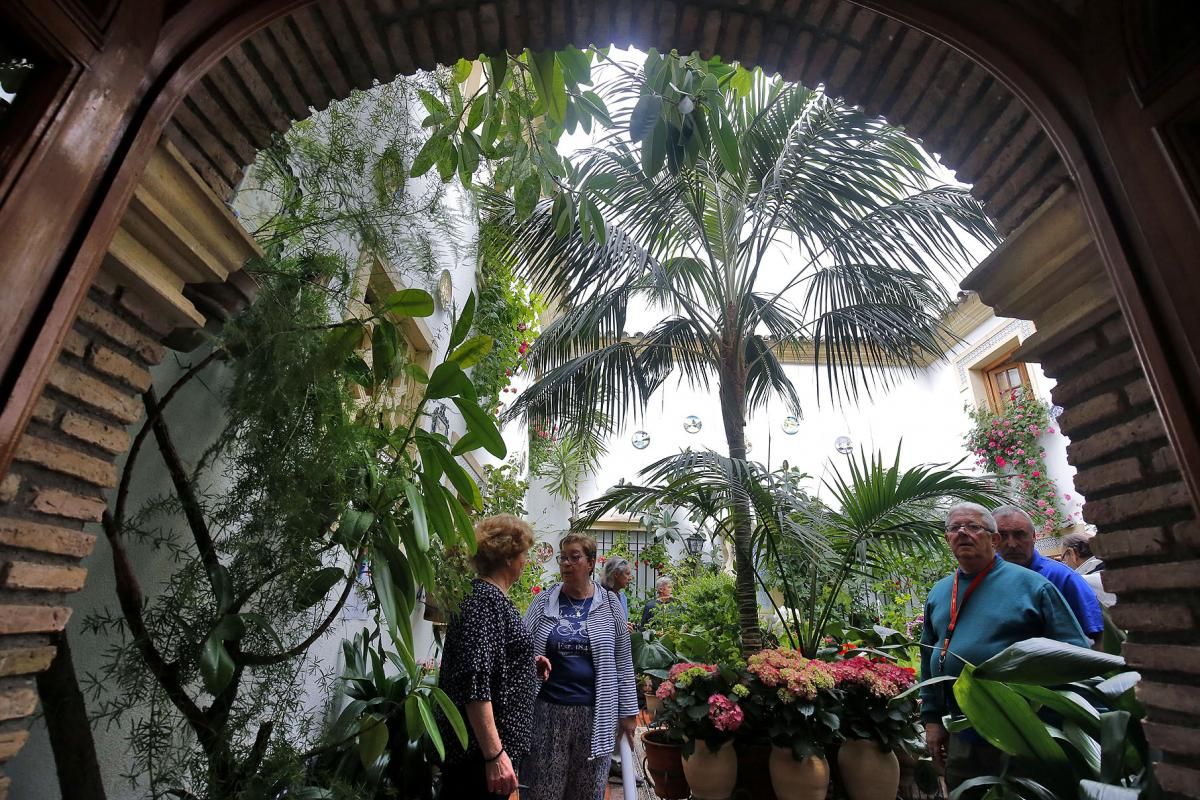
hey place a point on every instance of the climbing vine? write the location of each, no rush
(1008, 443)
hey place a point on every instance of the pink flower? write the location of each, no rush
(1036, 474)
(1000, 462)
(665, 690)
(1066, 497)
(1041, 503)
(521, 327)
(725, 714)
(1049, 430)
(537, 590)
(1051, 511)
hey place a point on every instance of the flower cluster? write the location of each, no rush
(791, 674)
(726, 714)
(878, 677)
(683, 674)
(1008, 442)
(871, 708)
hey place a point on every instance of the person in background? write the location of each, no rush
(664, 587)
(582, 629)
(1017, 546)
(489, 670)
(1077, 554)
(971, 615)
(618, 574)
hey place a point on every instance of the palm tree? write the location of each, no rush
(876, 510)
(735, 172)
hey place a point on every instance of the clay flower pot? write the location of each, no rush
(807, 779)
(664, 766)
(711, 775)
(868, 771)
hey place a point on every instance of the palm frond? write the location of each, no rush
(599, 389)
(679, 343)
(765, 377)
(582, 329)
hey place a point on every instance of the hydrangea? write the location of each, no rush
(790, 672)
(726, 715)
(879, 678)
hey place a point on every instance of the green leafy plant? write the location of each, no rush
(1094, 748)
(385, 742)
(711, 169)
(319, 481)
(700, 623)
(1007, 442)
(503, 491)
(531, 583)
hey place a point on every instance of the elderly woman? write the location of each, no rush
(489, 669)
(581, 627)
(618, 574)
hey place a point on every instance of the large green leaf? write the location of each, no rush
(385, 348)
(429, 154)
(462, 325)
(451, 713)
(1115, 755)
(1069, 704)
(313, 588)
(472, 351)
(645, 115)
(448, 380)
(1003, 718)
(458, 476)
(216, 665)
(548, 81)
(409, 303)
(439, 517)
(372, 739)
(1045, 662)
(1085, 744)
(416, 507)
(654, 149)
(480, 423)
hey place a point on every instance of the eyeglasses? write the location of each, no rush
(574, 558)
(969, 527)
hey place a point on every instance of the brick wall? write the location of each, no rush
(64, 466)
(1149, 536)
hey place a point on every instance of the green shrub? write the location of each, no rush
(701, 623)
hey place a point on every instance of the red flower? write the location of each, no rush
(537, 589)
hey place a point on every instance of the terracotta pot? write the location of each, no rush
(712, 776)
(754, 773)
(653, 704)
(664, 766)
(868, 771)
(807, 779)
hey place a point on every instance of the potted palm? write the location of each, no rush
(702, 704)
(792, 699)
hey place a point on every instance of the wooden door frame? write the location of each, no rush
(1050, 75)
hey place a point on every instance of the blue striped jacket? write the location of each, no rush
(612, 656)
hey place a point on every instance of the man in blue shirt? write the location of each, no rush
(1016, 546)
(993, 604)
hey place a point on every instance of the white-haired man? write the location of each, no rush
(664, 588)
(985, 606)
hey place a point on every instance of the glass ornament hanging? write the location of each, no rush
(791, 425)
(640, 440)
(692, 423)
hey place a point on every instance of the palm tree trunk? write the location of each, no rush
(733, 415)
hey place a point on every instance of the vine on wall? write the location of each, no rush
(1007, 443)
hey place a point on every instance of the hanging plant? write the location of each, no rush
(1007, 443)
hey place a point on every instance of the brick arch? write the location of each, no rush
(308, 58)
(1007, 116)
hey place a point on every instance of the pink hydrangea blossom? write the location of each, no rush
(725, 714)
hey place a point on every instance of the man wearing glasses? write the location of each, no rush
(985, 606)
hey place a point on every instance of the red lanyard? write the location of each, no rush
(954, 608)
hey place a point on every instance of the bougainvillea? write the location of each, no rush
(1008, 443)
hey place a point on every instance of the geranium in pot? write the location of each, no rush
(700, 705)
(792, 699)
(874, 724)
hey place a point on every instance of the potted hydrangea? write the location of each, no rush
(792, 698)
(702, 704)
(874, 723)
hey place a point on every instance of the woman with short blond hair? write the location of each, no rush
(489, 670)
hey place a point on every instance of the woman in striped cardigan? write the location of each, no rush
(581, 628)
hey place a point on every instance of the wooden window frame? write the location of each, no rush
(995, 401)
